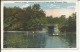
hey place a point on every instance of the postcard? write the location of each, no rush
(38, 24)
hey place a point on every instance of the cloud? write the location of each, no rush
(52, 5)
(59, 12)
(69, 7)
(61, 5)
(26, 5)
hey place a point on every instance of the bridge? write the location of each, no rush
(52, 29)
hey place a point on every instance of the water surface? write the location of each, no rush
(38, 40)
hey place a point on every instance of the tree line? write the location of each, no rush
(33, 17)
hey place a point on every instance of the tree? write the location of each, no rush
(33, 17)
(23, 19)
(36, 7)
(70, 25)
(13, 18)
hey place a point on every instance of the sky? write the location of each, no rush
(54, 9)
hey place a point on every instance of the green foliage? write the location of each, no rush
(33, 18)
(70, 25)
(36, 7)
(12, 40)
(22, 19)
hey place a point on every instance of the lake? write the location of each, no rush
(38, 40)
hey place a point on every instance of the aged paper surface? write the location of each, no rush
(39, 24)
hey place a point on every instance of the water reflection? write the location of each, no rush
(71, 39)
(38, 40)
